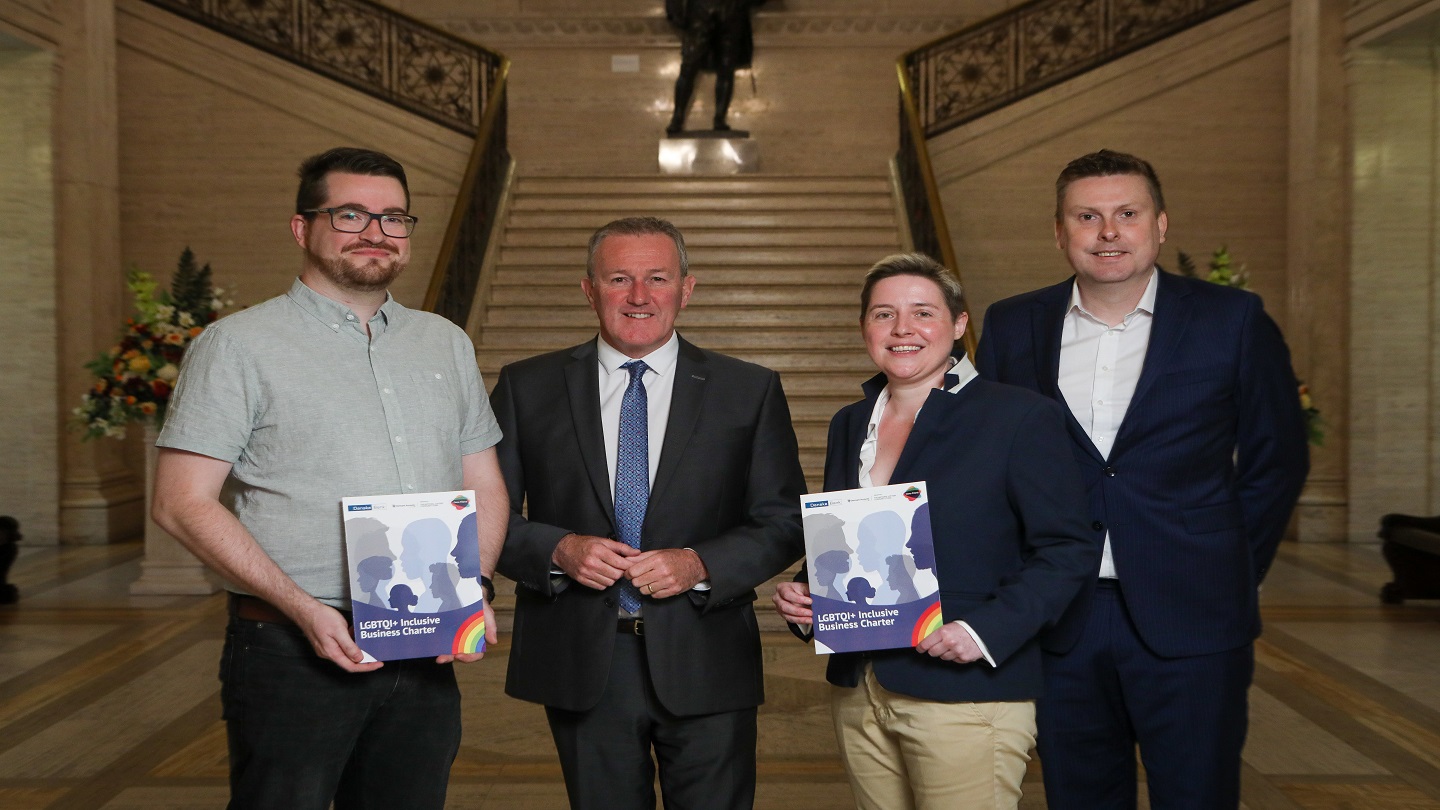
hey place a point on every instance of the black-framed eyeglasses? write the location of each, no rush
(354, 220)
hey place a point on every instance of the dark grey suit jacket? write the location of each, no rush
(728, 485)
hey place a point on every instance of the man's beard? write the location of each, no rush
(371, 275)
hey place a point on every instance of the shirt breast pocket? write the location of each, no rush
(430, 401)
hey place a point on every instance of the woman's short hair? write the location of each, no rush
(914, 264)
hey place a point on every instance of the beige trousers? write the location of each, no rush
(905, 753)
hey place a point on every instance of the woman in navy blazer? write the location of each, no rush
(951, 722)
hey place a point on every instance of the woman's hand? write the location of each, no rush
(951, 643)
(792, 601)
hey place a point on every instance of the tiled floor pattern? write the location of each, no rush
(111, 701)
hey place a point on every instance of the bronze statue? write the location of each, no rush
(714, 35)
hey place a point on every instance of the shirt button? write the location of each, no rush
(409, 486)
(1099, 402)
(384, 390)
(349, 317)
(399, 439)
(334, 326)
(437, 376)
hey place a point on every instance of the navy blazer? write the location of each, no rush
(728, 485)
(1012, 543)
(1206, 467)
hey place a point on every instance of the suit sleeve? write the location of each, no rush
(769, 538)
(529, 545)
(1272, 448)
(1045, 490)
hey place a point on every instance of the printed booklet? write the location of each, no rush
(414, 564)
(871, 561)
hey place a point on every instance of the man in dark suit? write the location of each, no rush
(1185, 419)
(661, 484)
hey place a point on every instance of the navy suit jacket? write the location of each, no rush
(1206, 467)
(1007, 513)
(728, 486)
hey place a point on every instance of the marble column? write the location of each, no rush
(1317, 249)
(101, 500)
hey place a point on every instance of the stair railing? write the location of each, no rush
(1000, 60)
(408, 63)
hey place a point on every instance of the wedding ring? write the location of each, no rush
(649, 589)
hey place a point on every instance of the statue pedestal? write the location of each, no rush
(709, 152)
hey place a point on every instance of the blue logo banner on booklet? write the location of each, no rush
(871, 561)
(414, 564)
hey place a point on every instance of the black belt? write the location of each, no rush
(634, 627)
(1108, 583)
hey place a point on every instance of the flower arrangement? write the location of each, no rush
(1223, 271)
(134, 379)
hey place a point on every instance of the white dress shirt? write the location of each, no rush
(961, 372)
(1099, 368)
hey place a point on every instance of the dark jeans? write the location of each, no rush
(302, 731)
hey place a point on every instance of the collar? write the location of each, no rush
(661, 361)
(961, 372)
(331, 311)
(1146, 305)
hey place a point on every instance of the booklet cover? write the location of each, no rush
(871, 560)
(414, 564)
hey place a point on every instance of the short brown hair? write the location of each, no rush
(1106, 163)
(347, 160)
(914, 264)
(637, 226)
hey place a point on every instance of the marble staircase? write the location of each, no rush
(778, 260)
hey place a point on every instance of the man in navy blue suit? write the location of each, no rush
(1186, 423)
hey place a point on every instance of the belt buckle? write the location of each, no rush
(638, 627)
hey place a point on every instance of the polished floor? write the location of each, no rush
(111, 701)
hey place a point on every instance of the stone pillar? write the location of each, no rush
(1317, 247)
(101, 500)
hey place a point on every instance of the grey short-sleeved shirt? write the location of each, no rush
(308, 410)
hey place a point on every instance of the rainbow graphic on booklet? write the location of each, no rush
(470, 638)
(414, 564)
(870, 557)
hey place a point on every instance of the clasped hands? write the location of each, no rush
(597, 562)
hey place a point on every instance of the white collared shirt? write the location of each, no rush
(961, 372)
(659, 381)
(1099, 368)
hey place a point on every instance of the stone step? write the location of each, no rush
(614, 207)
(848, 276)
(566, 239)
(720, 339)
(700, 186)
(850, 365)
(703, 257)
(881, 215)
(580, 316)
(712, 296)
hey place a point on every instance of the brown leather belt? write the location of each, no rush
(634, 627)
(255, 609)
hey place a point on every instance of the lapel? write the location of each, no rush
(582, 381)
(925, 432)
(686, 399)
(1048, 323)
(1173, 310)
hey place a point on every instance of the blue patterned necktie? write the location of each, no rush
(632, 471)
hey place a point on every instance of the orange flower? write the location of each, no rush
(100, 386)
(129, 354)
(175, 339)
(147, 408)
(196, 330)
(130, 400)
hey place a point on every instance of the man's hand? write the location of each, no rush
(329, 635)
(792, 601)
(666, 572)
(950, 643)
(595, 562)
(492, 636)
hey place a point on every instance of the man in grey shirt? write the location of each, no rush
(332, 389)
